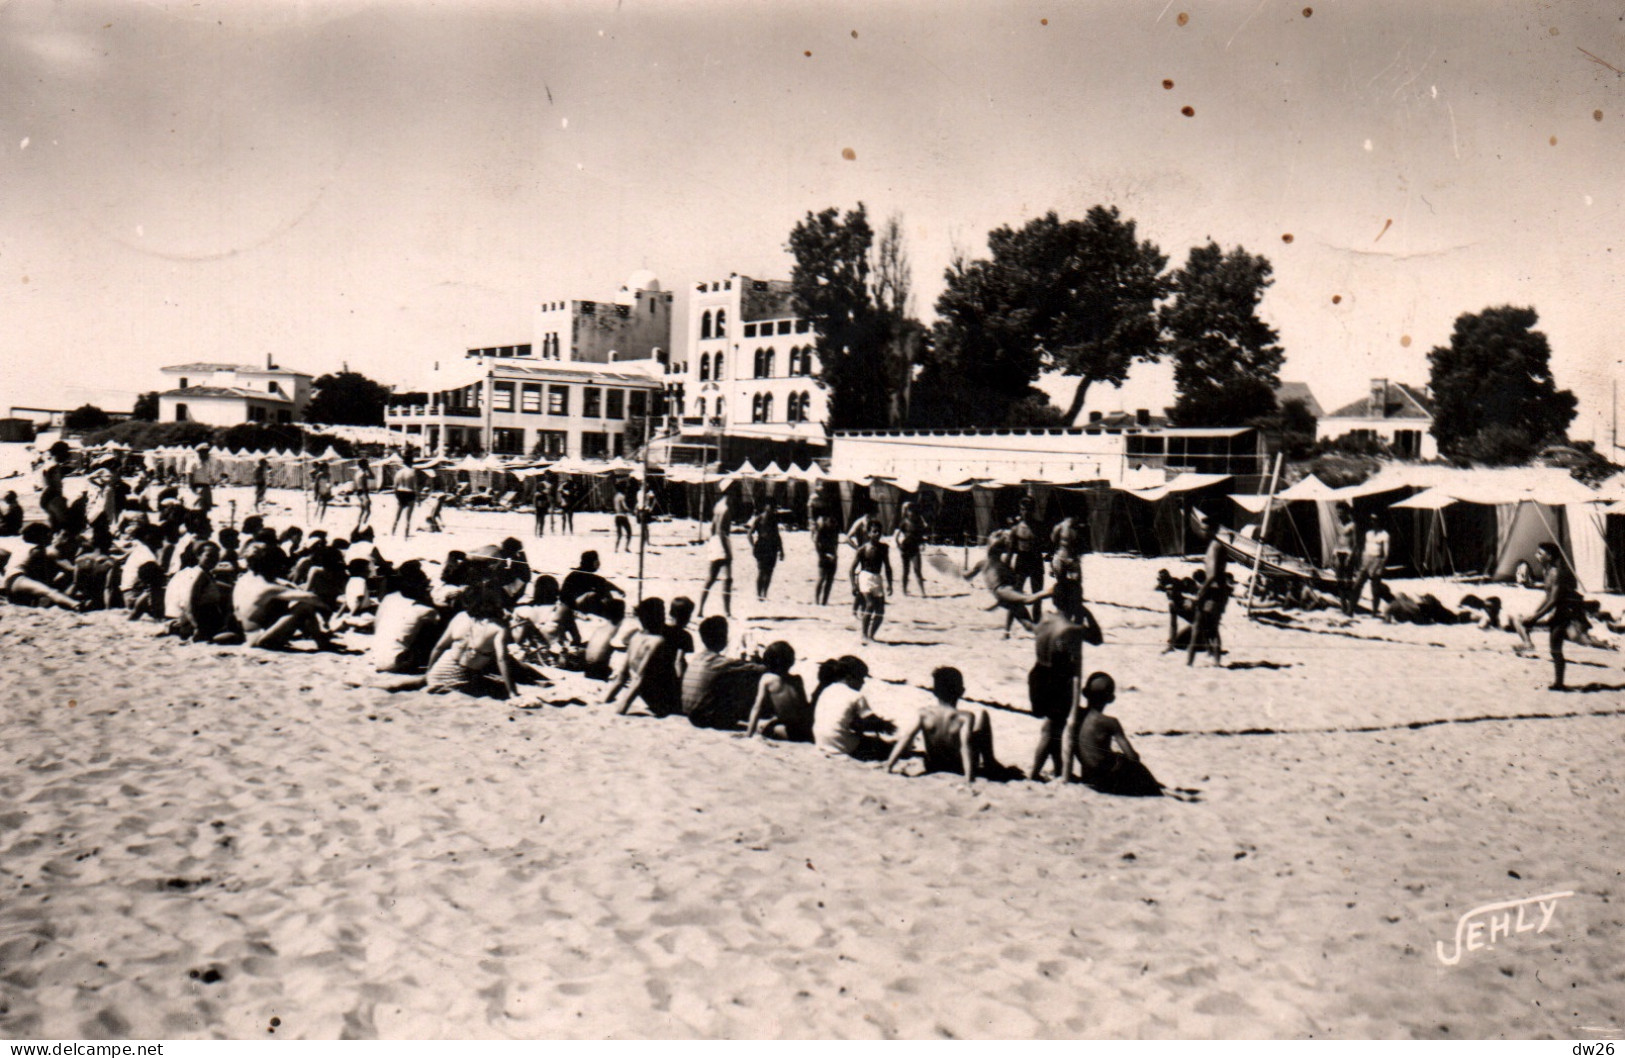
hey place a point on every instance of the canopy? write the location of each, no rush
(1185, 482)
(1310, 488)
(1435, 499)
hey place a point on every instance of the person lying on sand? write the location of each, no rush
(953, 739)
(649, 671)
(270, 612)
(1106, 760)
(781, 708)
(843, 724)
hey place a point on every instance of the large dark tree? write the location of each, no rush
(347, 398)
(1226, 363)
(863, 331)
(1076, 296)
(146, 407)
(86, 417)
(1493, 393)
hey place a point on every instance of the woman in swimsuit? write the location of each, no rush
(473, 641)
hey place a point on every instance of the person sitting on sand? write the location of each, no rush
(678, 614)
(144, 543)
(843, 723)
(11, 515)
(718, 690)
(781, 709)
(650, 671)
(536, 626)
(270, 612)
(27, 575)
(600, 649)
(406, 625)
(1091, 740)
(199, 602)
(475, 641)
(585, 590)
(954, 739)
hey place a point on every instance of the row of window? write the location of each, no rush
(795, 408)
(767, 328)
(543, 444)
(801, 362)
(535, 399)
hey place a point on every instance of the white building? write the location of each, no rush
(1398, 415)
(231, 394)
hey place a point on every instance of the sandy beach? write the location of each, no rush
(209, 842)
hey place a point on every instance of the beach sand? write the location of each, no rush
(210, 842)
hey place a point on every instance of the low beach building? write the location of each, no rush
(232, 394)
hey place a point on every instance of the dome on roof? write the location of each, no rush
(642, 279)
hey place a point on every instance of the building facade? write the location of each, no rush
(232, 394)
(515, 406)
(635, 326)
(748, 369)
(1393, 413)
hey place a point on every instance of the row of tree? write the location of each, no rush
(1088, 299)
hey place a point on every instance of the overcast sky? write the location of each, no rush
(385, 184)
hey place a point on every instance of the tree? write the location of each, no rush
(1226, 363)
(831, 286)
(1294, 424)
(146, 407)
(1075, 296)
(1493, 393)
(347, 398)
(86, 417)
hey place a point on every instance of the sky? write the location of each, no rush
(385, 184)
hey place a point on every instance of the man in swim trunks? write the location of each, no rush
(1092, 738)
(826, 536)
(910, 539)
(406, 496)
(1562, 607)
(954, 739)
(623, 521)
(719, 552)
(1373, 560)
(1000, 579)
(873, 558)
(1026, 545)
(1208, 606)
(363, 494)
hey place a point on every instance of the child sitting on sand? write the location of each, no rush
(954, 739)
(1092, 737)
(781, 698)
(649, 671)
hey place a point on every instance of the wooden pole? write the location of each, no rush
(1269, 504)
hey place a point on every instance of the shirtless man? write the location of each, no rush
(1000, 579)
(1066, 535)
(406, 496)
(623, 521)
(321, 485)
(26, 577)
(910, 540)
(1057, 666)
(826, 544)
(719, 552)
(1207, 608)
(270, 612)
(954, 739)
(649, 671)
(1563, 608)
(872, 559)
(262, 472)
(363, 494)
(1028, 553)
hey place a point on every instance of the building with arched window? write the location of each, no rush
(780, 399)
(636, 325)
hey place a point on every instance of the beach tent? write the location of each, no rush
(1171, 504)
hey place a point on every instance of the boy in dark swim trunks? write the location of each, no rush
(1092, 736)
(1563, 608)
